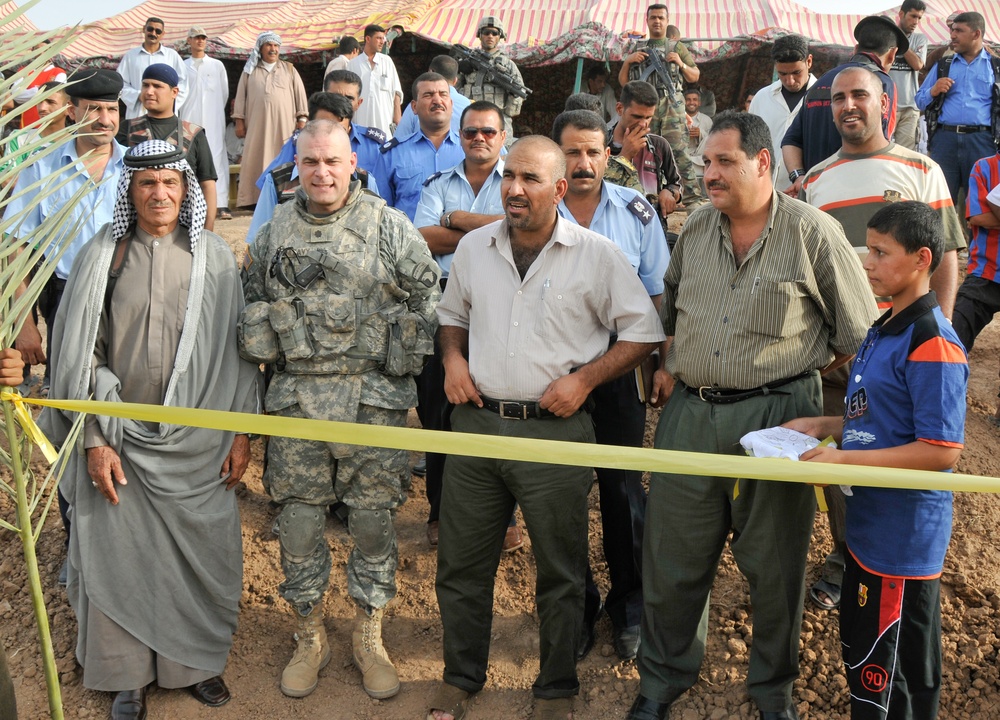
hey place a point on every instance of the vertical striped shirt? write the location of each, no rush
(799, 296)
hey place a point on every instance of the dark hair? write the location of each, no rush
(754, 133)
(348, 45)
(333, 103)
(692, 89)
(446, 66)
(373, 30)
(583, 101)
(974, 20)
(343, 76)
(154, 19)
(53, 85)
(913, 225)
(639, 92)
(673, 32)
(790, 49)
(581, 120)
(658, 6)
(908, 5)
(876, 37)
(425, 77)
(483, 106)
(595, 71)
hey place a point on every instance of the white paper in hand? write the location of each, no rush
(777, 442)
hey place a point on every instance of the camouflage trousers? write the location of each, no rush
(306, 475)
(668, 121)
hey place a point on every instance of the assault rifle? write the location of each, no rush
(470, 60)
(655, 64)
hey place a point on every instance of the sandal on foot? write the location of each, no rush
(553, 708)
(450, 699)
(832, 592)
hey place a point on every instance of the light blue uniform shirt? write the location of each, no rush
(407, 162)
(95, 209)
(409, 123)
(451, 191)
(970, 100)
(629, 221)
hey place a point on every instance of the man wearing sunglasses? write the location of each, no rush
(476, 86)
(455, 202)
(134, 64)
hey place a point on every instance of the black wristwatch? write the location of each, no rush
(795, 175)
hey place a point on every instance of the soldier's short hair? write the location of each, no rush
(422, 78)
(343, 76)
(483, 106)
(581, 120)
(639, 92)
(974, 20)
(335, 104)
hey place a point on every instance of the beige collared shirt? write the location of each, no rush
(523, 334)
(800, 295)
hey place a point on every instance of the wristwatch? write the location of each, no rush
(446, 219)
(795, 174)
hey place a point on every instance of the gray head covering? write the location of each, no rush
(254, 58)
(159, 155)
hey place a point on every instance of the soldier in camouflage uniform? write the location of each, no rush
(475, 87)
(341, 292)
(668, 121)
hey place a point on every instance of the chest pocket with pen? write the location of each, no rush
(778, 307)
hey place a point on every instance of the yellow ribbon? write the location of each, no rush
(28, 425)
(529, 450)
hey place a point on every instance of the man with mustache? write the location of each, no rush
(852, 185)
(762, 293)
(531, 304)
(408, 163)
(457, 201)
(94, 108)
(628, 220)
(135, 61)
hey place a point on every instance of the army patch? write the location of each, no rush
(432, 178)
(387, 146)
(641, 209)
(375, 134)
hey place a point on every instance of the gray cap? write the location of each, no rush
(197, 31)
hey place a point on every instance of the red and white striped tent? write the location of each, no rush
(541, 32)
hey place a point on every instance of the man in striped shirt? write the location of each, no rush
(762, 293)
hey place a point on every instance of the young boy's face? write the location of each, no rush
(891, 270)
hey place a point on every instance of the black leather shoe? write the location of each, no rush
(789, 713)
(420, 469)
(212, 692)
(645, 709)
(129, 705)
(627, 642)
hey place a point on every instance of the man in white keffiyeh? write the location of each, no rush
(155, 558)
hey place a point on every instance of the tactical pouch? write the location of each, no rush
(410, 342)
(339, 331)
(256, 338)
(288, 318)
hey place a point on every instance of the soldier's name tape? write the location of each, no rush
(528, 450)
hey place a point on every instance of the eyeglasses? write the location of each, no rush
(155, 31)
(469, 133)
(492, 33)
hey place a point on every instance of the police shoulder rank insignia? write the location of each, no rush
(641, 209)
(387, 146)
(432, 178)
(892, 196)
(375, 134)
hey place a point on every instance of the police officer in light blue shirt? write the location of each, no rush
(406, 163)
(447, 67)
(452, 203)
(627, 219)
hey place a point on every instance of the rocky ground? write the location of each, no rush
(970, 588)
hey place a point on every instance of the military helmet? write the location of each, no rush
(491, 21)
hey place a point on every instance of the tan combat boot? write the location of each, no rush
(301, 675)
(378, 675)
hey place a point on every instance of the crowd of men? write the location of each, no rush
(423, 257)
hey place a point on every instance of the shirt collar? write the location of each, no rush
(776, 198)
(895, 325)
(562, 234)
(69, 153)
(496, 171)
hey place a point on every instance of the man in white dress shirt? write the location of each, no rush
(380, 88)
(134, 64)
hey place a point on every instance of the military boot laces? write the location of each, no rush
(312, 654)
(378, 675)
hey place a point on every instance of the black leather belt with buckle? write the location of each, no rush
(515, 409)
(720, 396)
(965, 129)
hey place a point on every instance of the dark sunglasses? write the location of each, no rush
(469, 133)
(494, 33)
(151, 29)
